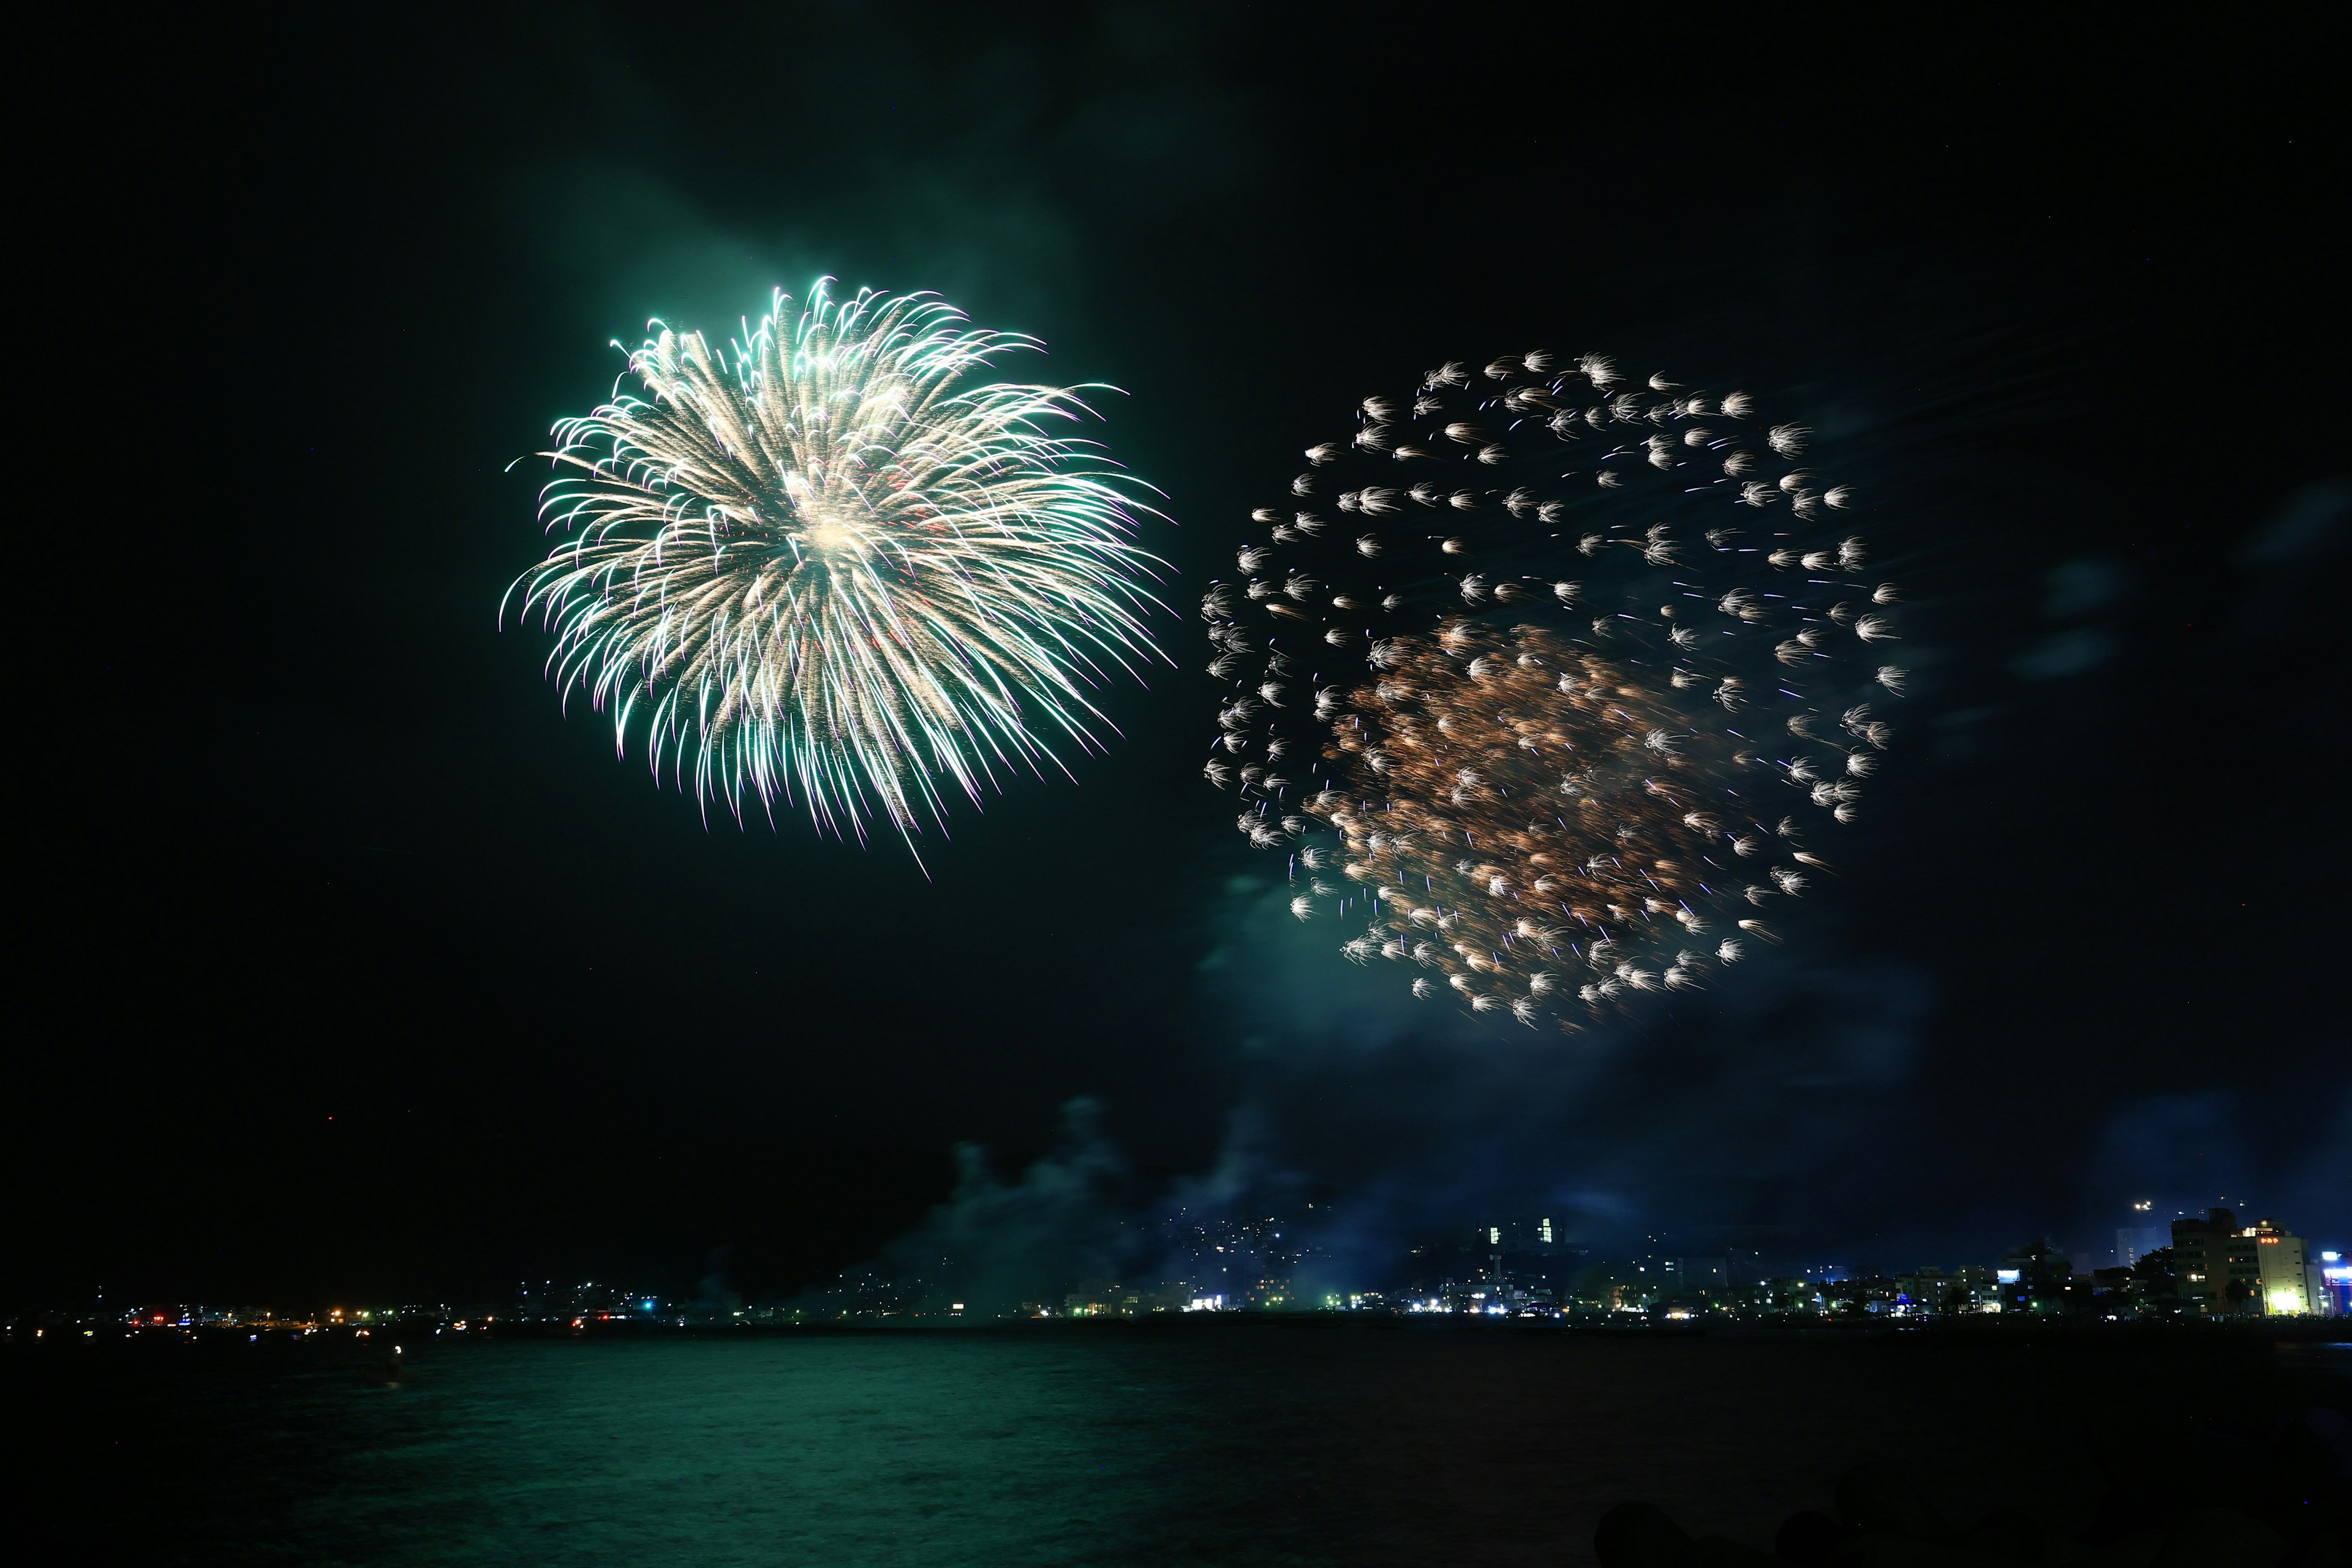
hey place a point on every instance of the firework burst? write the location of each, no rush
(823, 570)
(1546, 678)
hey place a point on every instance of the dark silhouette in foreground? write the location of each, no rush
(2280, 1498)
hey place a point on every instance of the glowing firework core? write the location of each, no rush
(823, 570)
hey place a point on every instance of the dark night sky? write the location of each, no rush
(350, 966)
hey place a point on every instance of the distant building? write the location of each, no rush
(1614, 1285)
(1790, 1293)
(1697, 1273)
(1935, 1292)
(1097, 1299)
(2034, 1279)
(2216, 1269)
(2291, 1287)
(2133, 1242)
(2335, 1284)
(1535, 1234)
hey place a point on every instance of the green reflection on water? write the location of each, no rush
(871, 1449)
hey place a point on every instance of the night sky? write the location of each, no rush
(348, 965)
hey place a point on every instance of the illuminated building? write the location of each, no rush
(2035, 1277)
(2335, 1284)
(1535, 1234)
(2214, 1265)
(2291, 1289)
(1931, 1292)
(1517, 1264)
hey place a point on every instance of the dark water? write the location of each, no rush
(1247, 1444)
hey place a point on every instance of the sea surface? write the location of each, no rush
(1245, 1443)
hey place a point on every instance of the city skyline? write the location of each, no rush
(2208, 1265)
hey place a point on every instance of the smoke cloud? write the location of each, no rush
(1368, 1122)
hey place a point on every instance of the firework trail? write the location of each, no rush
(825, 571)
(1546, 676)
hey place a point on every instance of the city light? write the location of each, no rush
(2213, 1267)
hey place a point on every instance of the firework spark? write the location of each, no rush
(825, 571)
(1561, 717)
